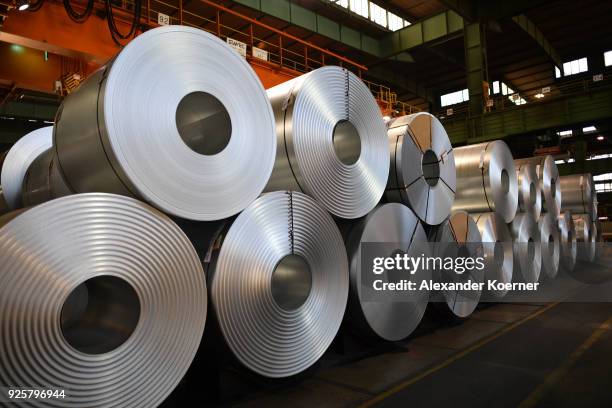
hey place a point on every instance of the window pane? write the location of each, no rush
(575, 67)
(584, 65)
(608, 58)
(557, 72)
(496, 87)
(395, 22)
(378, 14)
(466, 95)
(360, 7)
(567, 68)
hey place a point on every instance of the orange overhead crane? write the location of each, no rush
(90, 44)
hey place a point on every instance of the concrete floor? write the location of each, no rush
(505, 355)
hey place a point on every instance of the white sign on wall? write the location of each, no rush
(546, 89)
(239, 46)
(260, 54)
(449, 111)
(598, 77)
(163, 19)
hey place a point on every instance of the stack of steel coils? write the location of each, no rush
(550, 240)
(389, 317)
(527, 248)
(585, 237)
(332, 142)
(18, 160)
(422, 173)
(186, 147)
(486, 180)
(578, 192)
(529, 193)
(548, 175)
(569, 247)
(113, 287)
(498, 249)
(458, 237)
(279, 283)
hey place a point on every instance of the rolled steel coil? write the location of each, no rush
(422, 173)
(178, 119)
(498, 249)
(548, 175)
(551, 245)
(486, 180)
(569, 248)
(392, 320)
(279, 283)
(577, 191)
(584, 237)
(19, 159)
(527, 248)
(332, 141)
(461, 233)
(43, 181)
(529, 193)
(3, 205)
(108, 295)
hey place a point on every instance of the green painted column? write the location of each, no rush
(475, 65)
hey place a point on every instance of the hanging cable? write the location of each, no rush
(115, 33)
(78, 17)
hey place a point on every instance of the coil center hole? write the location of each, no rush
(100, 315)
(346, 141)
(431, 167)
(291, 282)
(498, 254)
(530, 250)
(551, 245)
(203, 123)
(505, 181)
(553, 188)
(532, 194)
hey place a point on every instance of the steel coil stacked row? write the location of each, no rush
(258, 184)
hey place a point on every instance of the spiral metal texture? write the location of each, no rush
(270, 339)
(422, 172)
(584, 237)
(578, 192)
(498, 249)
(154, 123)
(486, 179)
(43, 181)
(527, 248)
(391, 319)
(19, 159)
(567, 234)
(529, 193)
(459, 230)
(551, 245)
(332, 142)
(49, 251)
(548, 175)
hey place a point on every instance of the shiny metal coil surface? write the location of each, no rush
(391, 319)
(461, 231)
(18, 160)
(548, 174)
(422, 172)
(529, 193)
(43, 181)
(178, 119)
(498, 249)
(332, 141)
(486, 180)
(551, 245)
(527, 248)
(584, 237)
(279, 283)
(102, 296)
(578, 192)
(567, 234)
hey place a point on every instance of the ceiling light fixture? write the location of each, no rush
(22, 5)
(600, 138)
(539, 95)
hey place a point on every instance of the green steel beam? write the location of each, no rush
(563, 112)
(434, 28)
(475, 65)
(534, 32)
(594, 167)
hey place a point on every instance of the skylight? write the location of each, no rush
(374, 13)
